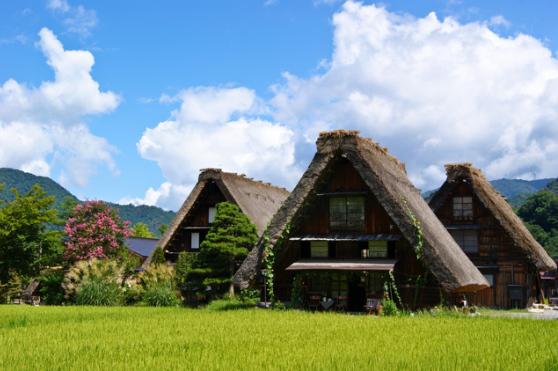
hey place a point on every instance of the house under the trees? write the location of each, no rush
(354, 222)
(256, 199)
(493, 237)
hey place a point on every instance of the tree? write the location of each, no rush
(162, 229)
(540, 214)
(141, 230)
(158, 256)
(227, 243)
(94, 230)
(27, 239)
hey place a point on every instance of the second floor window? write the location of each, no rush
(346, 213)
(211, 214)
(463, 208)
(468, 240)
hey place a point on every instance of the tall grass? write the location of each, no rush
(131, 338)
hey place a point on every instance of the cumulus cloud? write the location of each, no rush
(168, 196)
(433, 91)
(43, 125)
(217, 127)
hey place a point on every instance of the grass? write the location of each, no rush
(131, 338)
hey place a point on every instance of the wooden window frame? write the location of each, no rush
(351, 217)
(462, 208)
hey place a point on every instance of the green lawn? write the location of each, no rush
(133, 338)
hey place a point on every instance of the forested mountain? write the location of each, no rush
(152, 216)
(516, 191)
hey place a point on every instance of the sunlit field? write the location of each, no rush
(131, 338)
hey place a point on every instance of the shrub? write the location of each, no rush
(133, 293)
(160, 295)
(389, 308)
(158, 256)
(83, 272)
(157, 274)
(98, 292)
(51, 290)
(251, 296)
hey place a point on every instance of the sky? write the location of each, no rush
(125, 101)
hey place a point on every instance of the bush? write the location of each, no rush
(133, 293)
(98, 292)
(157, 274)
(160, 295)
(251, 296)
(51, 290)
(158, 256)
(389, 308)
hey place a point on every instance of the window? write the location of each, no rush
(467, 239)
(346, 213)
(489, 278)
(377, 249)
(211, 214)
(195, 241)
(319, 249)
(463, 208)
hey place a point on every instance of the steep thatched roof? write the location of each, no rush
(498, 206)
(387, 179)
(257, 200)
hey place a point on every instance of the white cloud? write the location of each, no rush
(58, 5)
(168, 196)
(43, 125)
(433, 91)
(77, 19)
(217, 127)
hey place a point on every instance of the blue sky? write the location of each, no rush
(266, 77)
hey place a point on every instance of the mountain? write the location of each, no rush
(553, 186)
(515, 191)
(23, 182)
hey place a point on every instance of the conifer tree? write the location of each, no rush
(227, 243)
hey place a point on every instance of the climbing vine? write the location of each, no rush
(419, 237)
(268, 263)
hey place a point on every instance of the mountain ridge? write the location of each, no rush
(22, 181)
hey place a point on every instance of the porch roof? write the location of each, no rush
(343, 265)
(346, 236)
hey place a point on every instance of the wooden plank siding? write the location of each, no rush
(341, 178)
(497, 255)
(198, 217)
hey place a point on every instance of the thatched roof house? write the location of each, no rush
(257, 200)
(386, 180)
(498, 206)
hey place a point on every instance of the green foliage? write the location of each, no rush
(160, 295)
(141, 230)
(82, 272)
(553, 186)
(419, 238)
(249, 296)
(152, 216)
(158, 284)
(163, 228)
(183, 267)
(158, 256)
(11, 288)
(389, 308)
(50, 289)
(540, 214)
(268, 268)
(99, 292)
(26, 242)
(227, 243)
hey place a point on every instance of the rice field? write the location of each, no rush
(132, 338)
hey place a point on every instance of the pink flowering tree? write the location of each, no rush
(94, 230)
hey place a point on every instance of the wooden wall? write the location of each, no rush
(197, 217)
(497, 254)
(313, 218)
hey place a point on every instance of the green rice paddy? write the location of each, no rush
(134, 338)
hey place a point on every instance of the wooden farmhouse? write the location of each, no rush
(257, 200)
(354, 222)
(493, 237)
